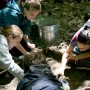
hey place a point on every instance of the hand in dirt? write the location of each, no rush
(31, 46)
(58, 72)
(64, 78)
(71, 57)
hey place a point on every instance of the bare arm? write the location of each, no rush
(79, 57)
(21, 49)
(60, 71)
(31, 46)
(65, 57)
(84, 55)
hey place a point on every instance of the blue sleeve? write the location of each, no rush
(19, 20)
(8, 17)
(11, 16)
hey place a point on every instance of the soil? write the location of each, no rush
(78, 79)
(71, 17)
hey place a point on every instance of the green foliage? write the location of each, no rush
(70, 15)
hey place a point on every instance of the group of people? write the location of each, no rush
(78, 51)
(15, 22)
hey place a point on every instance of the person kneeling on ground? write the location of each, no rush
(10, 37)
(38, 75)
(20, 13)
(78, 51)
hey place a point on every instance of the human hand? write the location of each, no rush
(58, 72)
(71, 57)
(31, 46)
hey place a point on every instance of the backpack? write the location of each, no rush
(40, 77)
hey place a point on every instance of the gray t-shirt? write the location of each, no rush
(6, 60)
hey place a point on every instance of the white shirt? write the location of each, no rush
(6, 60)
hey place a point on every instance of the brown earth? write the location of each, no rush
(78, 78)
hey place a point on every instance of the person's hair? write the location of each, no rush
(11, 30)
(84, 36)
(32, 59)
(31, 4)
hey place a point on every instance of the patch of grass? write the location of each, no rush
(70, 15)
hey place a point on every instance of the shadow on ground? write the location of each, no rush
(79, 79)
(6, 78)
